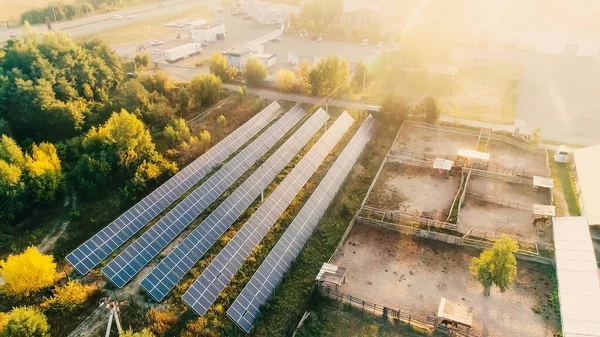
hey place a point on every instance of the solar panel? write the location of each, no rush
(175, 265)
(131, 260)
(246, 306)
(219, 273)
(101, 245)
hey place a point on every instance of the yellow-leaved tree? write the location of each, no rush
(69, 297)
(28, 272)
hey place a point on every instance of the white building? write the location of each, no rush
(567, 42)
(208, 34)
(578, 277)
(267, 13)
(237, 57)
(268, 60)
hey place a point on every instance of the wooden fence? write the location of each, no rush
(420, 320)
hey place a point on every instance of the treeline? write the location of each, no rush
(56, 12)
(68, 115)
(326, 76)
(60, 11)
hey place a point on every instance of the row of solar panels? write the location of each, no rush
(219, 273)
(204, 291)
(257, 291)
(135, 257)
(105, 242)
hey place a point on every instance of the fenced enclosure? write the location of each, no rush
(421, 320)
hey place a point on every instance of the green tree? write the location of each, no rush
(428, 109)
(329, 74)
(177, 132)
(496, 266)
(118, 149)
(28, 272)
(303, 78)
(254, 72)
(25, 322)
(141, 61)
(12, 191)
(285, 80)
(205, 89)
(217, 63)
(394, 108)
(143, 333)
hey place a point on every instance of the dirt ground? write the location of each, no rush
(510, 157)
(415, 191)
(396, 271)
(433, 143)
(517, 193)
(484, 216)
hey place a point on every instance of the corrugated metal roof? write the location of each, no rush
(578, 279)
(587, 162)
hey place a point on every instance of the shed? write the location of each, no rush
(544, 210)
(455, 316)
(578, 277)
(332, 274)
(543, 184)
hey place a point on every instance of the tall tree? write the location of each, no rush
(28, 272)
(285, 80)
(44, 176)
(205, 89)
(428, 109)
(217, 63)
(394, 108)
(141, 61)
(329, 74)
(25, 322)
(496, 266)
(254, 72)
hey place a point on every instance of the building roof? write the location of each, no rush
(578, 278)
(543, 182)
(443, 164)
(473, 154)
(544, 210)
(332, 274)
(587, 161)
(197, 22)
(455, 312)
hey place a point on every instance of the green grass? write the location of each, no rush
(564, 183)
(331, 318)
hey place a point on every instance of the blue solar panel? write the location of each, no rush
(246, 306)
(131, 260)
(97, 248)
(219, 273)
(173, 267)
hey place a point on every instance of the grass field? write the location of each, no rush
(563, 184)
(152, 28)
(12, 10)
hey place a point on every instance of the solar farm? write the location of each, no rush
(156, 243)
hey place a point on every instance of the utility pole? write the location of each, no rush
(53, 12)
(365, 75)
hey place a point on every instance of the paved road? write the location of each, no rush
(97, 23)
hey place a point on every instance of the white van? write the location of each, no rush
(365, 42)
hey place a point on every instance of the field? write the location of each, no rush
(152, 28)
(400, 272)
(12, 10)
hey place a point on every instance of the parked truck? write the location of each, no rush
(184, 51)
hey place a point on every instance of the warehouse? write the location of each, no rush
(268, 14)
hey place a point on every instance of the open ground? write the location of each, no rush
(400, 272)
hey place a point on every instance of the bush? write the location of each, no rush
(69, 298)
(25, 322)
(159, 322)
(285, 80)
(28, 272)
(255, 72)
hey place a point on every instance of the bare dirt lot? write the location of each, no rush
(396, 271)
(432, 143)
(415, 191)
(516, 159)
(484, 216)
(506, 192)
